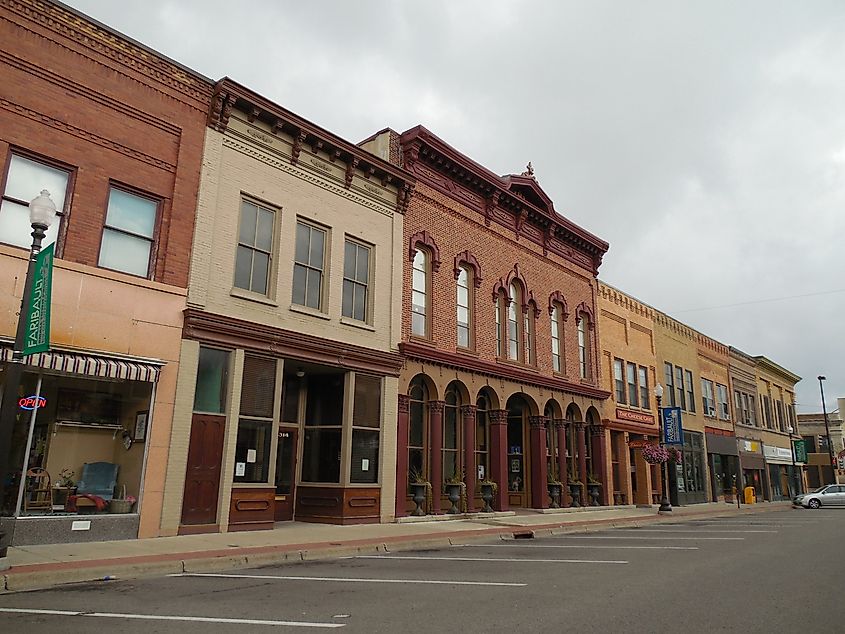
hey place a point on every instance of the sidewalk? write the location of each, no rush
(43, 566)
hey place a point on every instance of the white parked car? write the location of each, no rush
(827, 495)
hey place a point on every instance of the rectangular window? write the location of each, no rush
(24, 182)
(212, 381)
(308, 266)
(498, 326)
(707, 401)
(366, 422)
(679, 387)
(670, 389)
(781, 424)
(690, 391)
(255, 425)
(255, 248)
(752, 410)
(556, 338)
(419, 294)
(528, 333)
(323, 436)
(463, 308)
(631, 375)
(619, 380)
(722, 402)
(128, 233)
(356, 280)
(644, 395)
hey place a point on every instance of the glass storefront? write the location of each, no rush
(689, 475)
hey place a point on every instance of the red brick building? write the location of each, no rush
(114, 131)
(499, 333)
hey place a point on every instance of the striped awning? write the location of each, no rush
(91, 365)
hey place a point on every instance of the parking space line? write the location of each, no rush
(496, 559)
(354, 580)
(694, 530)
(576, 546)
(169, 617)
(641, 537)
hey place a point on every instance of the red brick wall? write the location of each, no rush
(456, 228)
(110, 111)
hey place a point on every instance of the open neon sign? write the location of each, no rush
(31, 402)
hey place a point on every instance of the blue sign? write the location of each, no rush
(673, 433)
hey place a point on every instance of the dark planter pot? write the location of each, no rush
(487, 497)
(418, 491)
(453, 492)
(575, 494)
(594, 491)
(555, 490)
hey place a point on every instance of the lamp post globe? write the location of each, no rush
(42, 210)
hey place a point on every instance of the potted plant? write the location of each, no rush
(455, 488)
(575, 488)
(65, 486)
(555, 487)
(420, 490)
(488, 490)
(593, 489)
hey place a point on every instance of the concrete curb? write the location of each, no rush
(41, 576)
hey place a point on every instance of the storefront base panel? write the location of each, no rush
(198, 529)
(330, 505)
(251, 509)
(29, 531)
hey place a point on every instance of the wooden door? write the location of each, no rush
(202, 475)
(285, 474)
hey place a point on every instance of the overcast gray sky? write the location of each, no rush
(704, 140)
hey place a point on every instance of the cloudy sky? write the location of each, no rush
(704, 140)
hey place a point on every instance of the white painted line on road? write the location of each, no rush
(502, 559)
(695, 530)
(575, 546)
(164, 617)
(632, 537)
(353, 580)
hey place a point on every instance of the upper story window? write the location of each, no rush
(557, 337)
(679, 387)
(255, 248)
(670, 384)
(24, 181)
(464, 309)
(690, 392)
(420, 294)
(501, 302)
(513, 323)
(129, 233)
(631, 375)
(644, 392)
(356, 280)
(723, 407)
(630, 383)
(309, 263)
(707, 401)
(584, 361)
(619, 380)
(515, 332)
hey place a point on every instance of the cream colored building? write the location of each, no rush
(287, 392)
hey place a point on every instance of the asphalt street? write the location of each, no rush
(770, 572)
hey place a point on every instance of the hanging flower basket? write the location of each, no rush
(655, 454)
(675, 455)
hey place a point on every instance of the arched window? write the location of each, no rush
(501, 302)
(420, 294)
(513, 325)
(417, 418)
(464, 309)
(584, 345)
(451, 433)
(557, 337)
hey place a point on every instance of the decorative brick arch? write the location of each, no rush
(584, 309)
(531, 304)
(424, 238)
(465, 258)
(558, 298)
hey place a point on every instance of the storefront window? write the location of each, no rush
(418, 396)
(255, 426)
(482, 415)
(451, 464)
(212, 381)
(366, 422)
(323, 427)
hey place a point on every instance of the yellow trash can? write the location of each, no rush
(750, 498)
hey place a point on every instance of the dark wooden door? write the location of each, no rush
(202, 475)
(285, 474)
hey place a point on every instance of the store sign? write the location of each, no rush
(637, 417)
(800, 448)
(638, 443)
(751, 446)
(781, 453)
(673, 433)
(31, 402)
(37, 334)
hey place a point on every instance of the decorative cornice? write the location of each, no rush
(79, 133)
(223, 330)
(502, 371)
(425, 239)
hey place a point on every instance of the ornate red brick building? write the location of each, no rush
(499, 333)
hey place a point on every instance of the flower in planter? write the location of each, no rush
(655, 454)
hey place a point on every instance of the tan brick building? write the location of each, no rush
(501, 378)
(286, 405)
(629, 363)
(114, 132)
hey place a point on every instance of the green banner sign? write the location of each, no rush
(37, 335)
(800, 448)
